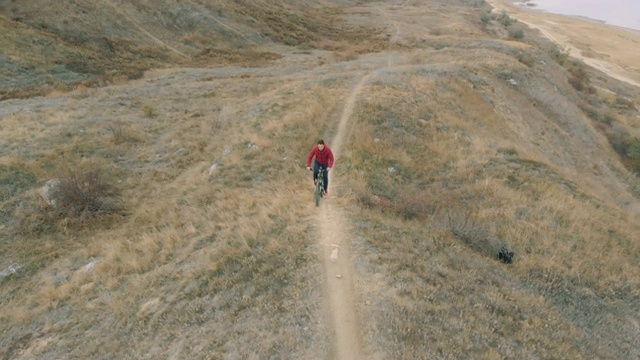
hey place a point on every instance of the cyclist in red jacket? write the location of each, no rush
(324, 159)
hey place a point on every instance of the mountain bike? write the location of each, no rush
(319, 192)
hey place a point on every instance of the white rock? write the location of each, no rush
(334, 254)
(10, 270)
(213, 168)
(48, 192)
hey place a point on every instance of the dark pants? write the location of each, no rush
(316, 167)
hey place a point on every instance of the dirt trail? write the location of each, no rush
(347, 342)
(339, 277)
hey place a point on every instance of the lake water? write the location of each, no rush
(625, 13)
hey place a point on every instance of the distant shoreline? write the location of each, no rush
(611, 49)
(533, 6)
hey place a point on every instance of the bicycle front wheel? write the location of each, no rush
(318, 193)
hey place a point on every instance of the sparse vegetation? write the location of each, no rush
(14, 179)
(467, 197)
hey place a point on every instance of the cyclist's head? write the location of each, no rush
(321, 144)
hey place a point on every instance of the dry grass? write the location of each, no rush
(457, 155)
(197, 241)
(214, 252)
(446, 184)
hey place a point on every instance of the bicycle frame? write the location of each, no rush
(319, 193)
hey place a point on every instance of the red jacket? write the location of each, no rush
(324, 157)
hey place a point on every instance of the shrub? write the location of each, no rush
(464, 225)
(579, 78)
(526, 57)
(627, 147)
(505, 19)
(620, 141)
(558, 54)
(414, 205)
(149, 111)
(624, 103)
(486, 17)
(411, 205)
(119, 132)
(516, 34)
(633, 152)
(607, 118)
(85, 192)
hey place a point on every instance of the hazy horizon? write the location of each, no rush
(625, 13)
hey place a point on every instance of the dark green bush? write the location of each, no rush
(486, 18)
(633, 152)
(505, 19)
(558, 54)
(579, 78)
(627, 147)
(516, 34)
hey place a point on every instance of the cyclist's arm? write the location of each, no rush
(331, 161)
(310, 157)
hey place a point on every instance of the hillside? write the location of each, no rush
(181, 223)
(94, 43)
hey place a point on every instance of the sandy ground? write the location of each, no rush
(610, 49)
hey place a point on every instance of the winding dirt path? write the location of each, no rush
(339, 277)
(336, 260)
